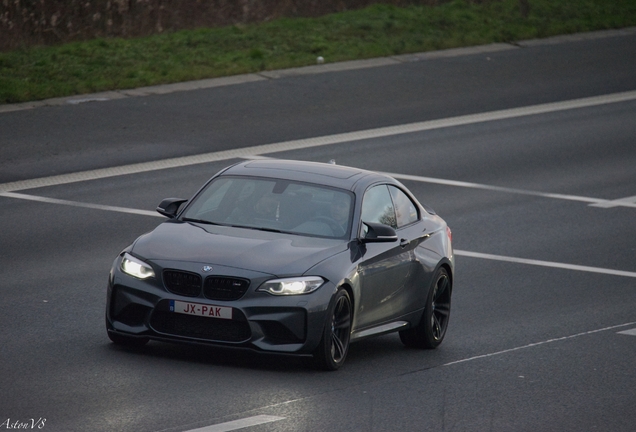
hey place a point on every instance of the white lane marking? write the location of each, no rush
(631, 332)
(319, 141)
(598, 202)
(546, 263)
(79, 204)
(539, 344)
(457, 252)
(627, 202)
(239, 424)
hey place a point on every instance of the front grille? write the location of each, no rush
(212, 329)
(224, 288)
(182, 283)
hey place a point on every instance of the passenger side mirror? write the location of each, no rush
(170, 206)
(379, 233)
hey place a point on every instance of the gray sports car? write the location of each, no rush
(288, 257)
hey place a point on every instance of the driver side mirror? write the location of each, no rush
(378, 233)
(170, 207)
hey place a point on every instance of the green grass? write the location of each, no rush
(379, 30)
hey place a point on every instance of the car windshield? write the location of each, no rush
(273, 205)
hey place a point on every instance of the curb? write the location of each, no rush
(312, 70)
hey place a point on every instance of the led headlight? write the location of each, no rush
(292, 286)
(137, 268)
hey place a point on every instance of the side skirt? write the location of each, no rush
(381, 329)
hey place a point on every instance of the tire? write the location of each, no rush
(430, 331)
(334, 344)
(127, 341)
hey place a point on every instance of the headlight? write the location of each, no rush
(137, 268)
(292, 286)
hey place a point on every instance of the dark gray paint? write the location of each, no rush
(57, 363)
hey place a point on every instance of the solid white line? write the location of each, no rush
(539, 344)
(457, 252)
(79, 204)
(597, 202)
(545, 263)
(319, 141)
(239, 424)
(631, 332)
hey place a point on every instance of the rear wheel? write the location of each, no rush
(334, 345)
(127, 341)
(431, 330)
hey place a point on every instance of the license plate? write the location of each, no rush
(198, 309)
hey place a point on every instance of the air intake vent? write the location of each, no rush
(182, 283)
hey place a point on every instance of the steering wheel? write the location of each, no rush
(335, 227)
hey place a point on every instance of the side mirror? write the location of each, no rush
(170, 206)
(379, 233)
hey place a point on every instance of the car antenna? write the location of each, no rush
(332, 161)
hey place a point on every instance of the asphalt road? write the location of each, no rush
(542, 206)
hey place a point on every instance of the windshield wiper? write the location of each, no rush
(185, 219)
(267, 229)
(261, 229)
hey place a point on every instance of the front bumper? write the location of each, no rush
(285, 324)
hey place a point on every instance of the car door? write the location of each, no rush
(385, 270)
(414, 230)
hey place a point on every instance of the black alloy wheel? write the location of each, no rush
(431, 330)
(334, 345)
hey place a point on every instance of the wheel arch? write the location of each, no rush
(446, 265)
(347, 287)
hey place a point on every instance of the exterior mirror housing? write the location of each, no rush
(170, 206)
(379, 233)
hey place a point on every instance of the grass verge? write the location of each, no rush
(380, 30)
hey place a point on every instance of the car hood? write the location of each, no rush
(267, 252)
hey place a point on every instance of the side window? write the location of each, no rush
(405, 209)
(377, 206)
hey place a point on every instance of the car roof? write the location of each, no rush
(311, 172)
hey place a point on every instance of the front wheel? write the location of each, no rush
(430, 332)
(334, 345)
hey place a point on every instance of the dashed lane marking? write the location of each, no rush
(262, 419)
(627, 202)
(546, 263)
(539, 343)
(631, 332)
(239, 424)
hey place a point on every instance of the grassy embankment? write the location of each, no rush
(380, 30)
